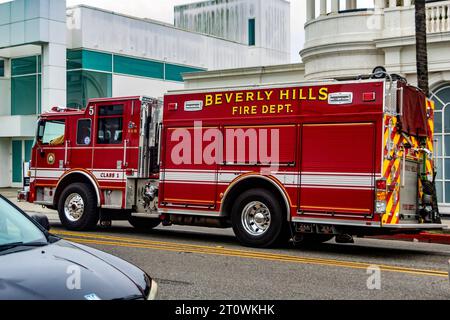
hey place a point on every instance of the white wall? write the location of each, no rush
(5, 162)
(149, 39)
(17, 126)
(5, 97)
(290, 73)
(228, 19)
(134, 86)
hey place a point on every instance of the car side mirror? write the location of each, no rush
(42, 220)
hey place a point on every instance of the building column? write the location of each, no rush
(334, 6)
(54, 76)
(310, 10)
(350, 4)
(379, 4)
(392, 3)
(323, 7)
(5, 162)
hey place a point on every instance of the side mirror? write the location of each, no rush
(42, 220)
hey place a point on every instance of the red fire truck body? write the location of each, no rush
(310, 160)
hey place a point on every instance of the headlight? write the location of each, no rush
(380, 206)
(153, 291)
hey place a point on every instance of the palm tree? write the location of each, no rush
(421, 47)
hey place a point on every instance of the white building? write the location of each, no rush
(344, 40)
(52, 55)
(263, 25)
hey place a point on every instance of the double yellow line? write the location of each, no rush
(88, 238)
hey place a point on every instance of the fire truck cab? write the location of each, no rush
(303, 161)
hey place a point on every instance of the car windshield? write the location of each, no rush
(15, 228)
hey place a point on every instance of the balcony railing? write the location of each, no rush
(438, 16)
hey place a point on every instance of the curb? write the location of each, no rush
(420, 237)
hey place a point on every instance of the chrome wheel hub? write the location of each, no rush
(256, 218)
(74, 207)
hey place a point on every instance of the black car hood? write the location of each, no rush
(65, 271)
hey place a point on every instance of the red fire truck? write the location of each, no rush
(302, 161)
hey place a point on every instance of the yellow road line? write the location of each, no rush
(175, 247)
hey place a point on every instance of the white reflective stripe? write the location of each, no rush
(337, 187)
(228, 177)
(99, 174)
(360, 181)
(42, 174)
(187, 182)
(189, 176)
(286, 178)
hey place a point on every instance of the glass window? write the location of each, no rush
(138, 67)
(86, 59)
(112, 110)
(446, 146)
(2, 68)
(24, 66)
(17, 160)
(447, 168)
(24, 95)
(444, 94)
(438, 105)
(110, 131)
(438, 122)
(97, 61)
(74, 59)
(447, 192)
(52, 132)
(438, 146)
(441, 97)
(439, 191)
(28, 147)
(447, 118)
(84, 132)
(439, 167)
(251, 32)
(85, 85)
(15, 227)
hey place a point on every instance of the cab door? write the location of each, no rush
(81, 149)
(51, 151)
(109, 152)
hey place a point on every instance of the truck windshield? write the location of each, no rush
(15, 228)
(51, 132)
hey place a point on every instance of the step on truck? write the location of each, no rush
(303, 161)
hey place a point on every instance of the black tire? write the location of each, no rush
(90, 215)
(276, 232)
(144, 224)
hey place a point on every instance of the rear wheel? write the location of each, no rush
(258, 220)
(143, 224)
(77, 207)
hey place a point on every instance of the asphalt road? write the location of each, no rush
(198, 263)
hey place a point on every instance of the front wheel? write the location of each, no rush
(77, 207)
(258, 220)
